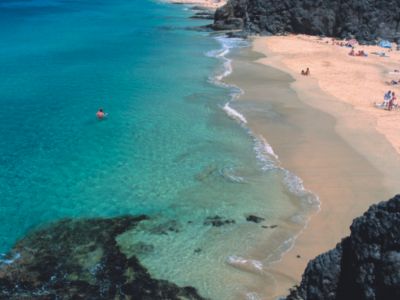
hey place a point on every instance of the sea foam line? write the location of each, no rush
(227, 44)
(265, 154)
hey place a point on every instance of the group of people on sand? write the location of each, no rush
(358, 53)
(389, 101)
(306, 72)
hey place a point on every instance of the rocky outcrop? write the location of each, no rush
(362, 19)
(81, 259)
(364, 266)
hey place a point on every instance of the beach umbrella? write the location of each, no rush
(352, 42)
(385, 44)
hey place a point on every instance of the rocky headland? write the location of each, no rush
(364, 20)
(81, 259)
(364, 265)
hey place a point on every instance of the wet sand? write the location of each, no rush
(314, 137)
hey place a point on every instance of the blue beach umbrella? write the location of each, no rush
(385, 44)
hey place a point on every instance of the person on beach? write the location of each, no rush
(386, 98)
(394, 82)
(306, 72)
(361, 53)
(392, 102)
(100, 114)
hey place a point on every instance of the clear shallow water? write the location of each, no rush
(168, 149)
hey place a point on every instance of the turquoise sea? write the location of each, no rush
(171, 146)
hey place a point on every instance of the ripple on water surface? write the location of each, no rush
(173, 146)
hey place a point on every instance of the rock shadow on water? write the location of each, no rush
(81, 259)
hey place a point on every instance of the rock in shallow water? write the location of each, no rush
(218, 221)
(255, 219)
(365, 265)
(80, 259)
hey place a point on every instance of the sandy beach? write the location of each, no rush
(359, 81)
(329, 133)
(210, 4)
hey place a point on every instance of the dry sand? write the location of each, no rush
(345, 149)
(358, 81)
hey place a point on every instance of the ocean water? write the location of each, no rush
(172, 146)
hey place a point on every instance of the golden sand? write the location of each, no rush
(349, 158)
(357, 81)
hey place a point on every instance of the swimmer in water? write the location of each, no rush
(100, 114)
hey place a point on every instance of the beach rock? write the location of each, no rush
(365, 265)
(203, 15)
(362, 19)
(170, 226)
(270, 227)
(218, 221)
(255, 219)
(238, 34)
(80, 259)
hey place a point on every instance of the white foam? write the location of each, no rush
(244, 263)
(234, 114)
(265, 153)
(228, 174)
(9, 261)
(253, 296)
(295, 185)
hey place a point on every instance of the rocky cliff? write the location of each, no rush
(364, 266)
(363, 19)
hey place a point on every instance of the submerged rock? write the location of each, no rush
(170, 226)
(255, 219)
(362, 19)
(365, 265)
(218, 221)
(80, 259)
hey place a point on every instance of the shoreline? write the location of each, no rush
(206, 4)
(357, 177)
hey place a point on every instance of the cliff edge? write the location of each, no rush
(364, 20)
(365, 265)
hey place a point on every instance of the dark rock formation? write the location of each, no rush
(218, 221)
(255, 219)
(80, 259)
(365, 265)
(363, 19)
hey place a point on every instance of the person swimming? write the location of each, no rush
(100, 114)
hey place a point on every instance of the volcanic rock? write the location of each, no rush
(365, 265)
(362, 19)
